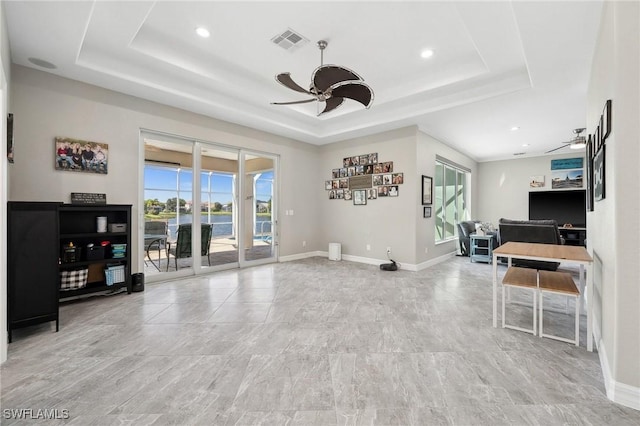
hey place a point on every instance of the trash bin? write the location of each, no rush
(335, 251)
(137, 282)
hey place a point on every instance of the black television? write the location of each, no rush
(563, 206)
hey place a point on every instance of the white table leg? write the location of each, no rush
(495, 291)
(582, 287)
(589, 296)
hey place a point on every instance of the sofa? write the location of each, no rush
(531, 231)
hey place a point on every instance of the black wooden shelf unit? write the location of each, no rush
(38, 233)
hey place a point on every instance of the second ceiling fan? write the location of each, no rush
(578, 142)
(331, 84)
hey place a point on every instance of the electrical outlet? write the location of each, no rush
(388, 250)
(304, 244)
(426, 250)
(368, 247)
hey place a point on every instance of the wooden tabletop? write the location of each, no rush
(543, 251)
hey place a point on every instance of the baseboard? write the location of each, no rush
(369, 260)
(620, 393)
(299, 256)
(432, 262)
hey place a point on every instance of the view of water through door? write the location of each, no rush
(258, 210)
(235, 201)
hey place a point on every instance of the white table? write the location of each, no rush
(549, 253)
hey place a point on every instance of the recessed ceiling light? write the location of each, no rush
(427, 53)
(203, 32)
(42, 63)
(525, 144)
(514, 128)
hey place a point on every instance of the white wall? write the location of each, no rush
(5, 79)
(613, 227)
(504, 185)
(46, 106)
(389, 221)
(385, 222)
(427, 149)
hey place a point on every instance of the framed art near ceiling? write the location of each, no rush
(599, 175)
(427, 190)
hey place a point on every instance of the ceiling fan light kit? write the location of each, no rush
(578, 142)
(331, 84)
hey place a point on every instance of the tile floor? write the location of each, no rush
(311, 342)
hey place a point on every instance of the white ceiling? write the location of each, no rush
(496, 64)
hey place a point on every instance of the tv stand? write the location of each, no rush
(574, 236)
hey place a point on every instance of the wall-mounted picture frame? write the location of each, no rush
(372, 194)
(397, 179)
(599, 186)
(427, 190)
(588, 170)
(81, 156)
(10, 137)
(567, 179)
(328, 184)
(536, 181)
(426, 212)
(393, 191)
(359, 197)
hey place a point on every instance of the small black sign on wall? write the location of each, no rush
(88, 198)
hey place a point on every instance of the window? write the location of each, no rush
(167, 194)
(451, 184)
(218, 202)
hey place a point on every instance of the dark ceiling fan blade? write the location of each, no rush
(294, 102)
(326, 76)
(286, 80)
(355, 90)
(331, 104)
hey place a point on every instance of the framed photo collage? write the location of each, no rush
(363, 178)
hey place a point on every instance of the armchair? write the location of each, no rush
(465, 229)
(182, 246)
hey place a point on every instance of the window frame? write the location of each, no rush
(461, 188)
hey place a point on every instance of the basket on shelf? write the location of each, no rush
(118, 251)
(73, 279)
(114, 274)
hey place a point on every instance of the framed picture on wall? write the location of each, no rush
(10, 138)
(359, 197)
(427, 190)
(598, 175)
(81, 156)
(426, 212)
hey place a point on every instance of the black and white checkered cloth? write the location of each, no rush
(74, 279)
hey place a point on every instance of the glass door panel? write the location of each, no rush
(218, 206)
(168, 195)
(258, 209)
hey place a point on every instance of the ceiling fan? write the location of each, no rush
(578, 142)
(330, 84)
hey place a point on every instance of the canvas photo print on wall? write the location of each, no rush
(81, 156)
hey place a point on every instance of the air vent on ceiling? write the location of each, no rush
(519, 153)
(289, 40)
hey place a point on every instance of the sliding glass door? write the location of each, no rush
(228, 220)
(259, 208)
